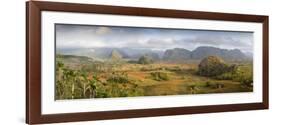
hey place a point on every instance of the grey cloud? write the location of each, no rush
(106, 36)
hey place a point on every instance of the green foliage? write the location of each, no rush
(207, 84)
(77, 84)
(119, 85)
(174, 69)
(159, 76)
(145, 60)
(225, 76)
(72, 84)
(116, 77)
(120, 90)
(242, 74)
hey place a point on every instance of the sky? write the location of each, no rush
(91, 36)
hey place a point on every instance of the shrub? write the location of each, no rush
(174, 69)
(118, 78)
(225, 76)
(159, 76)
(208, 84)
(242, 74)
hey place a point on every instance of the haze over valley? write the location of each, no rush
(176, 54)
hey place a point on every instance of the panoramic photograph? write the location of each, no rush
(95, 61)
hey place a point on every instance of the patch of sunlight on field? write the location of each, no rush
(182, 80)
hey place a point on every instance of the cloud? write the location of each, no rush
(103, 30)
(102, 36)
(162, 43)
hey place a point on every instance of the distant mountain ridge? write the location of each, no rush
(175, 54)
(179, 54)
(204, 51)
(105, 53)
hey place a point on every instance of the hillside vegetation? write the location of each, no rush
(79, 77)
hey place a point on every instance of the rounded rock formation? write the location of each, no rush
(212, 66)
